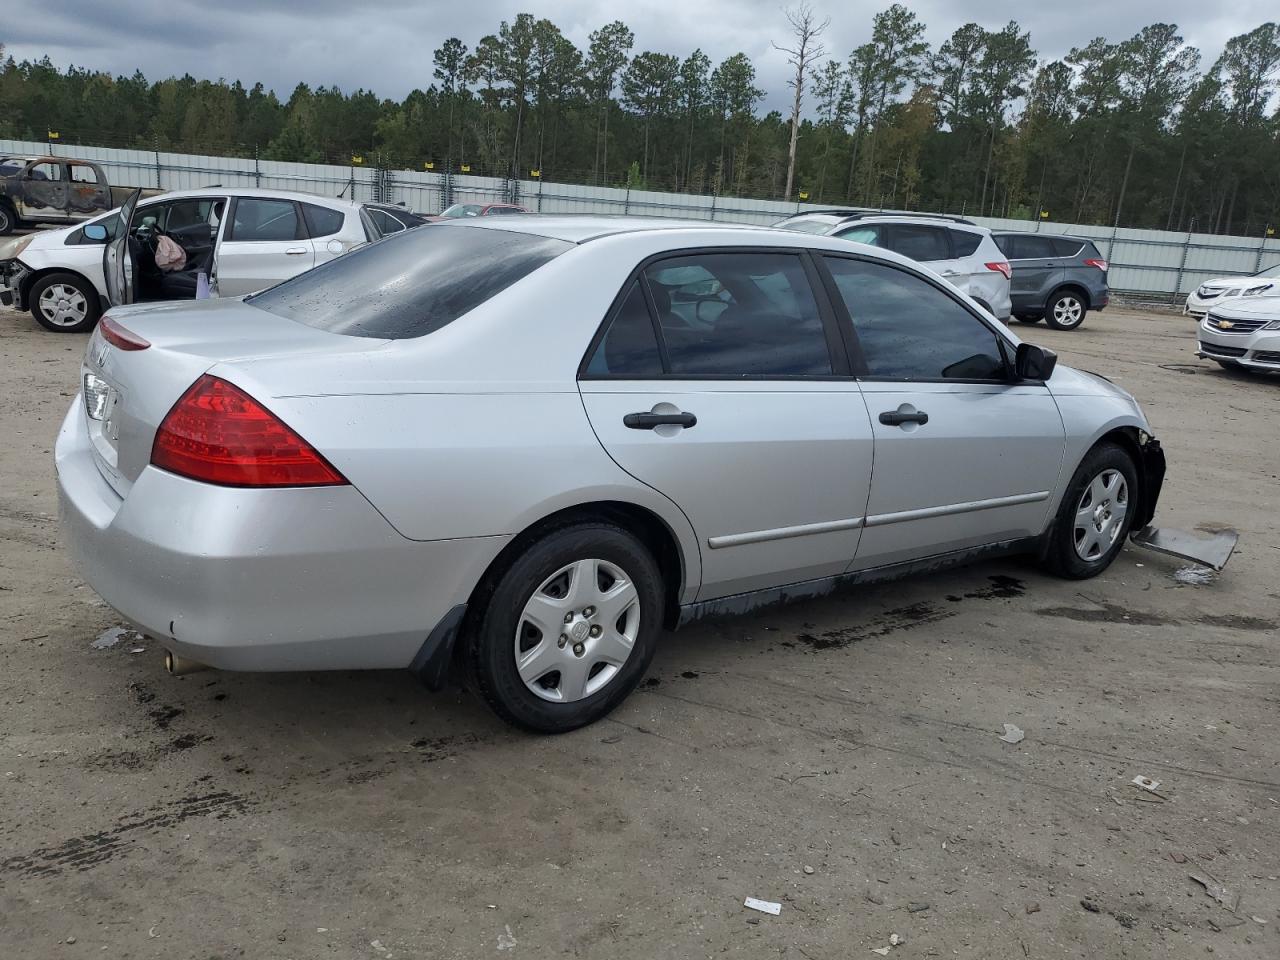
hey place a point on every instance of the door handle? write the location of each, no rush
(896, 418)
(295, 251)
(951, 273)
(647, 421)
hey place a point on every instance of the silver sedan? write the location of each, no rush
(533, 444)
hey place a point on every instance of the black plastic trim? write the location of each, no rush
(431, 663)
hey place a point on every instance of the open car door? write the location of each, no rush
(117, 266)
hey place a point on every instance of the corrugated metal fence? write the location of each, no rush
(1156, 263)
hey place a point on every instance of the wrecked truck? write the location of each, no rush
(57, 190)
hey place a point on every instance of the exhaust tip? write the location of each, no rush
(177, 666)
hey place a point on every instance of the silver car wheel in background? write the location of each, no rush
(577, 630)
(63, 305)
(1068, 311)
(1100, 514)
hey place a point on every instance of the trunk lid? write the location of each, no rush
(127, 393)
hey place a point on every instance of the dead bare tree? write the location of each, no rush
(806, 48)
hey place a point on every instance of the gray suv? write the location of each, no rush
(1056, 278)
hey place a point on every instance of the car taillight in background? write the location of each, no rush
(1097, 262)
(219, 434)
(1000, 266)
(119, 337)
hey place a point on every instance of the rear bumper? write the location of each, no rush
(286, 579)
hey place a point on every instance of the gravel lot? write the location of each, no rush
(841, 757)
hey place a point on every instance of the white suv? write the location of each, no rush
(240, 239)
(959, 250)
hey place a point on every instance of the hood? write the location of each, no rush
(37, 240)
(1068, 381)
(1251, 308)
(1240, 284)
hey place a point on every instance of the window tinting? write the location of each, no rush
(410, 284)
(908, 329)
(918, 242)
(965, 242)
(1036, 248)
(322, 221)
(629, 347)
(1066, 247)
(257, 219)
(739, 315)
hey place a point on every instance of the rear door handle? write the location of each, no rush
(647, 421)
(896, 418)
(295, 251)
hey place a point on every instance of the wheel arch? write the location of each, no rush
(1148, 463)
(651, 529)
(35, 276)
(1074, 287)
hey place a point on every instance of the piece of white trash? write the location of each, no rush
(506, 940)
(764, 906)
(1012, 734)
(1146, 783)
(110, 637)
(883, 951)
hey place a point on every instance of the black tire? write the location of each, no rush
(1065, 310)
(1229, 365)
(1028, 318)
(490, 644)
(92, 308)
(1061, 556)
(7, 220)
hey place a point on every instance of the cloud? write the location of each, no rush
(386, 45)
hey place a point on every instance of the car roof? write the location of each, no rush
(1040, 233)
(339, 202)
(579, 228)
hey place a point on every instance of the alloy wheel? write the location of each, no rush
(1100, 515)
(63, 305)
(1068, 311)
(577, 630)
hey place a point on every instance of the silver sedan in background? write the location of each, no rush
(534, 443)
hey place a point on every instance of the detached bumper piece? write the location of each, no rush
(1212, 552)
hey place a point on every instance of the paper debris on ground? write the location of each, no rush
(112, 635)
(1012, 734)
(883, 951)
(764, 906)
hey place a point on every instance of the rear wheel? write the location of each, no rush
(1029, 318)
(1095, 514)
(7, 220)
(569, 629)
(65, 303)
(1065, 311)
(1228, 365)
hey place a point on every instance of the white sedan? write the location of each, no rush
(1213, 292)
(241, 240)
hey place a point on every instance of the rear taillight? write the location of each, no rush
(1001, 266)
(219, 434)
(1095, 262)
(119, 337)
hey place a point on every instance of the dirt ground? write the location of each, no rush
(840, 757)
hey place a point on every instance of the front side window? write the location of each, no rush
(923, 244)
(410, 284)
(865, 234)
(261, 220)
(322, 221)
(45, 171)
(629, 347)
(739, 315)
(184, 214)
(908, 329)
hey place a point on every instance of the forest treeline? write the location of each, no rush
(1139, 130)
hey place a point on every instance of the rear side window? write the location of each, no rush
(410, 284)
(629, 347)
(255, 219)
(920, 243)
(908, 329)
(322, 221)
(1066, 247)
(964, 243)
(1036, 248)
(739, 315)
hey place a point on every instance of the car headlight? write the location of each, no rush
(12, 248)
(1273, 325)
(1260, 288)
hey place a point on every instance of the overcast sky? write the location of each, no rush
(386, 45)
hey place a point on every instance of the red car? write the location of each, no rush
(460, 210)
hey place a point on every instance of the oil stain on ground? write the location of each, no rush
(90, 849)
(1119, 613)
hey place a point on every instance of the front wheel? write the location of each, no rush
(1028, 318)
(1065, 311)
(65, 303)
(1095, 514)
(569, 629)
(7, 220)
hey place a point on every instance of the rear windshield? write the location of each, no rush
(411, 283)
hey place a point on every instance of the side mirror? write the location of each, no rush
(95, 232)
(1034, 363)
